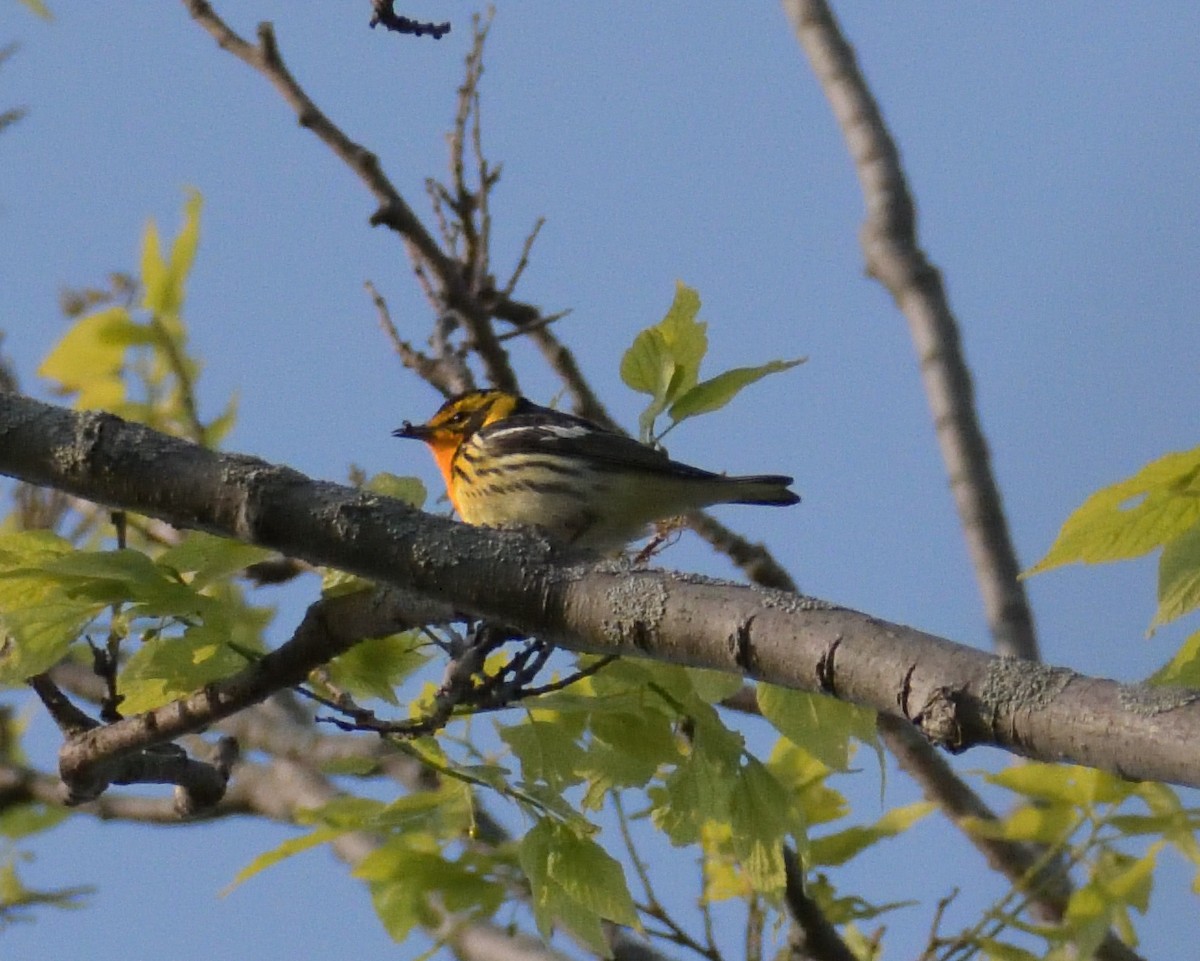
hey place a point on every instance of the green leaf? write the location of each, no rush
(761, 816)
(127, 576)
(696, 792)
(39, 616)
(211, 558)
(414, 887)
(285, 850)
(350, 766)
(1043, 824)
(408, 489)
(626, 750)
(167, 667)
(716, 392)
(548, 753)
(1002, 951)
(1178, 577)
(714, 686)
(841, 846)
(39, 8)
(446, 812)
(1062, 783)
(373, 668)
(346, 813)
(163, 280)
(1131, 880)
(90, 358)
(804, 778)
(335, 583)
(22, 820)
(574, 882)
(1184, 668)
(822, 726)
(664, 360)
(219, 427)
(1132, 517)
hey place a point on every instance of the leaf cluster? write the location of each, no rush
(664, 362)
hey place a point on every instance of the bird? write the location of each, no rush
(507, 461)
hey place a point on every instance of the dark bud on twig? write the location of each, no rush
(383, 15)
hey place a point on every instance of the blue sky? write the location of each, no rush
(1052, 151)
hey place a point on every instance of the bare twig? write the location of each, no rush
(393, 211)
(523, 262)
(186, 383)
(534, 325)
(384, 15)
(447, 372)
(894, 257)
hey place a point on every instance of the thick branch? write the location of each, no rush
(958, 696)
(894, 257)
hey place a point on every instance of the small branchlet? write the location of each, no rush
(465, 688)
(384, 15)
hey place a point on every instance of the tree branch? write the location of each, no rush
(895, 259)
(812, 937)
(957, 696)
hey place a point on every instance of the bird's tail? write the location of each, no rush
(761, 489)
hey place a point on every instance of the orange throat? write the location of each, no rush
(443, 451)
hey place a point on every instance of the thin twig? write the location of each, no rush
(393, 211)
(442, 373)
(523, 261)
(535, 325)
(193, 427)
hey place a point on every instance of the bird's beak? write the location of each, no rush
(414, 431)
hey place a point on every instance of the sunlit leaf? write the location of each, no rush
(1062, 783)
(1178, 577)
(1157, 504)
(995, 950)
(841, 846)
(285, 850)
(823, 726)
(761, 817)
(39, 8)
(664, 360)
(90, 358)
(373, 668)
(408, 489)
(715, 393)
(574, 882)
(1184, 668)
(211, 558)
(804, 778)
(164, 279)
(167, 667)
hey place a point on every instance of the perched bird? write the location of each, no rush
(507, 460)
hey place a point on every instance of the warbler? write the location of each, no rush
(508, 461)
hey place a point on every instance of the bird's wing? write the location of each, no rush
(575, 437)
